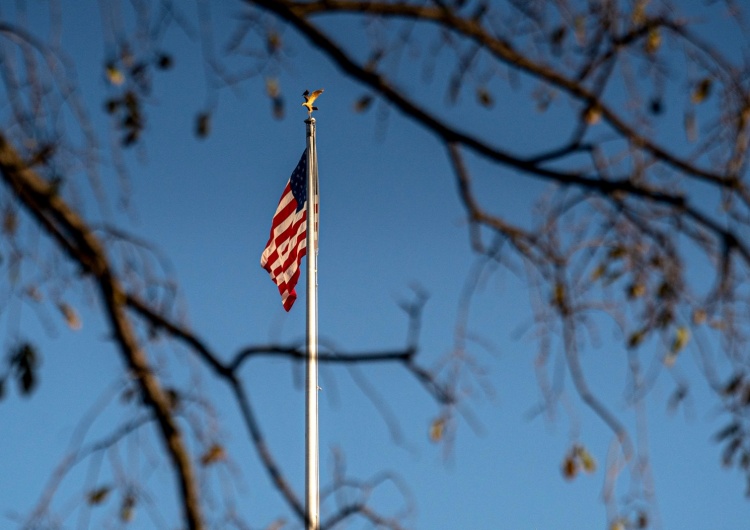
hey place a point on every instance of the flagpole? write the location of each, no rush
(312, 468)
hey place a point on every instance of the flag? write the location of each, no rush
(287, 243)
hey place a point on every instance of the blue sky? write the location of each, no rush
(390, 217)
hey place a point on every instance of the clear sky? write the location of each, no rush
(390, 217)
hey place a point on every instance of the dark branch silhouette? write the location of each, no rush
(647, 171)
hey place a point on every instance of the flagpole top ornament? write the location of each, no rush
(309, 100)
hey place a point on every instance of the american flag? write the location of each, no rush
(287, 243)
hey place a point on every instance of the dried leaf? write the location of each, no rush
(202, 124)
(114, 75)
(682, 337)
(127, 509)
(484, 97)
(636, 338)
(639, 12)
(701, 91)
(130, 138)
(277, 104)
(617, 252)
(636, 290)
(10, 222)
(214, 454)
(556, 39)
(34, 293)
(559, 294)
(437, 429)
(579, 24)
(699, 316)
(98, 495)
(70, 316)
(24, 362)
(273, 42)
(569, 467)
(653, 40)
(592, 115)
(598, 272)
(587, 461)
(691, 126)
(173, 397)
(656, 106)
(727, 432)
(733, 385)
(272, 87)
(126, 56)
(363, 103)
(665, 290)
(277, 524)
(164, 61)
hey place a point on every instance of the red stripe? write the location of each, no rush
(285, 250)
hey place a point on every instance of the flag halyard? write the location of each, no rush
(287, 243)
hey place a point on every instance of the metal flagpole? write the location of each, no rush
(312, 470)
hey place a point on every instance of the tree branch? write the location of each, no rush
(75, 239)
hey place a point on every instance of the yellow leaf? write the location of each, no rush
(682, 337)
(639, 12)
(592, 114)
(587, 461)
(214, 454)
(114, 75)
(437, 429)
(272, 87)
(636, 290)
(127, 509)
(653, 40)
(273, 42)
(559, 296)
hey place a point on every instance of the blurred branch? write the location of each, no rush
(297, 14)
(615, 237)
(74, 238)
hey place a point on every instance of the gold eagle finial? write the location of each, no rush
(310, 99)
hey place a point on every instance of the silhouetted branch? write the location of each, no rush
(74, 238)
